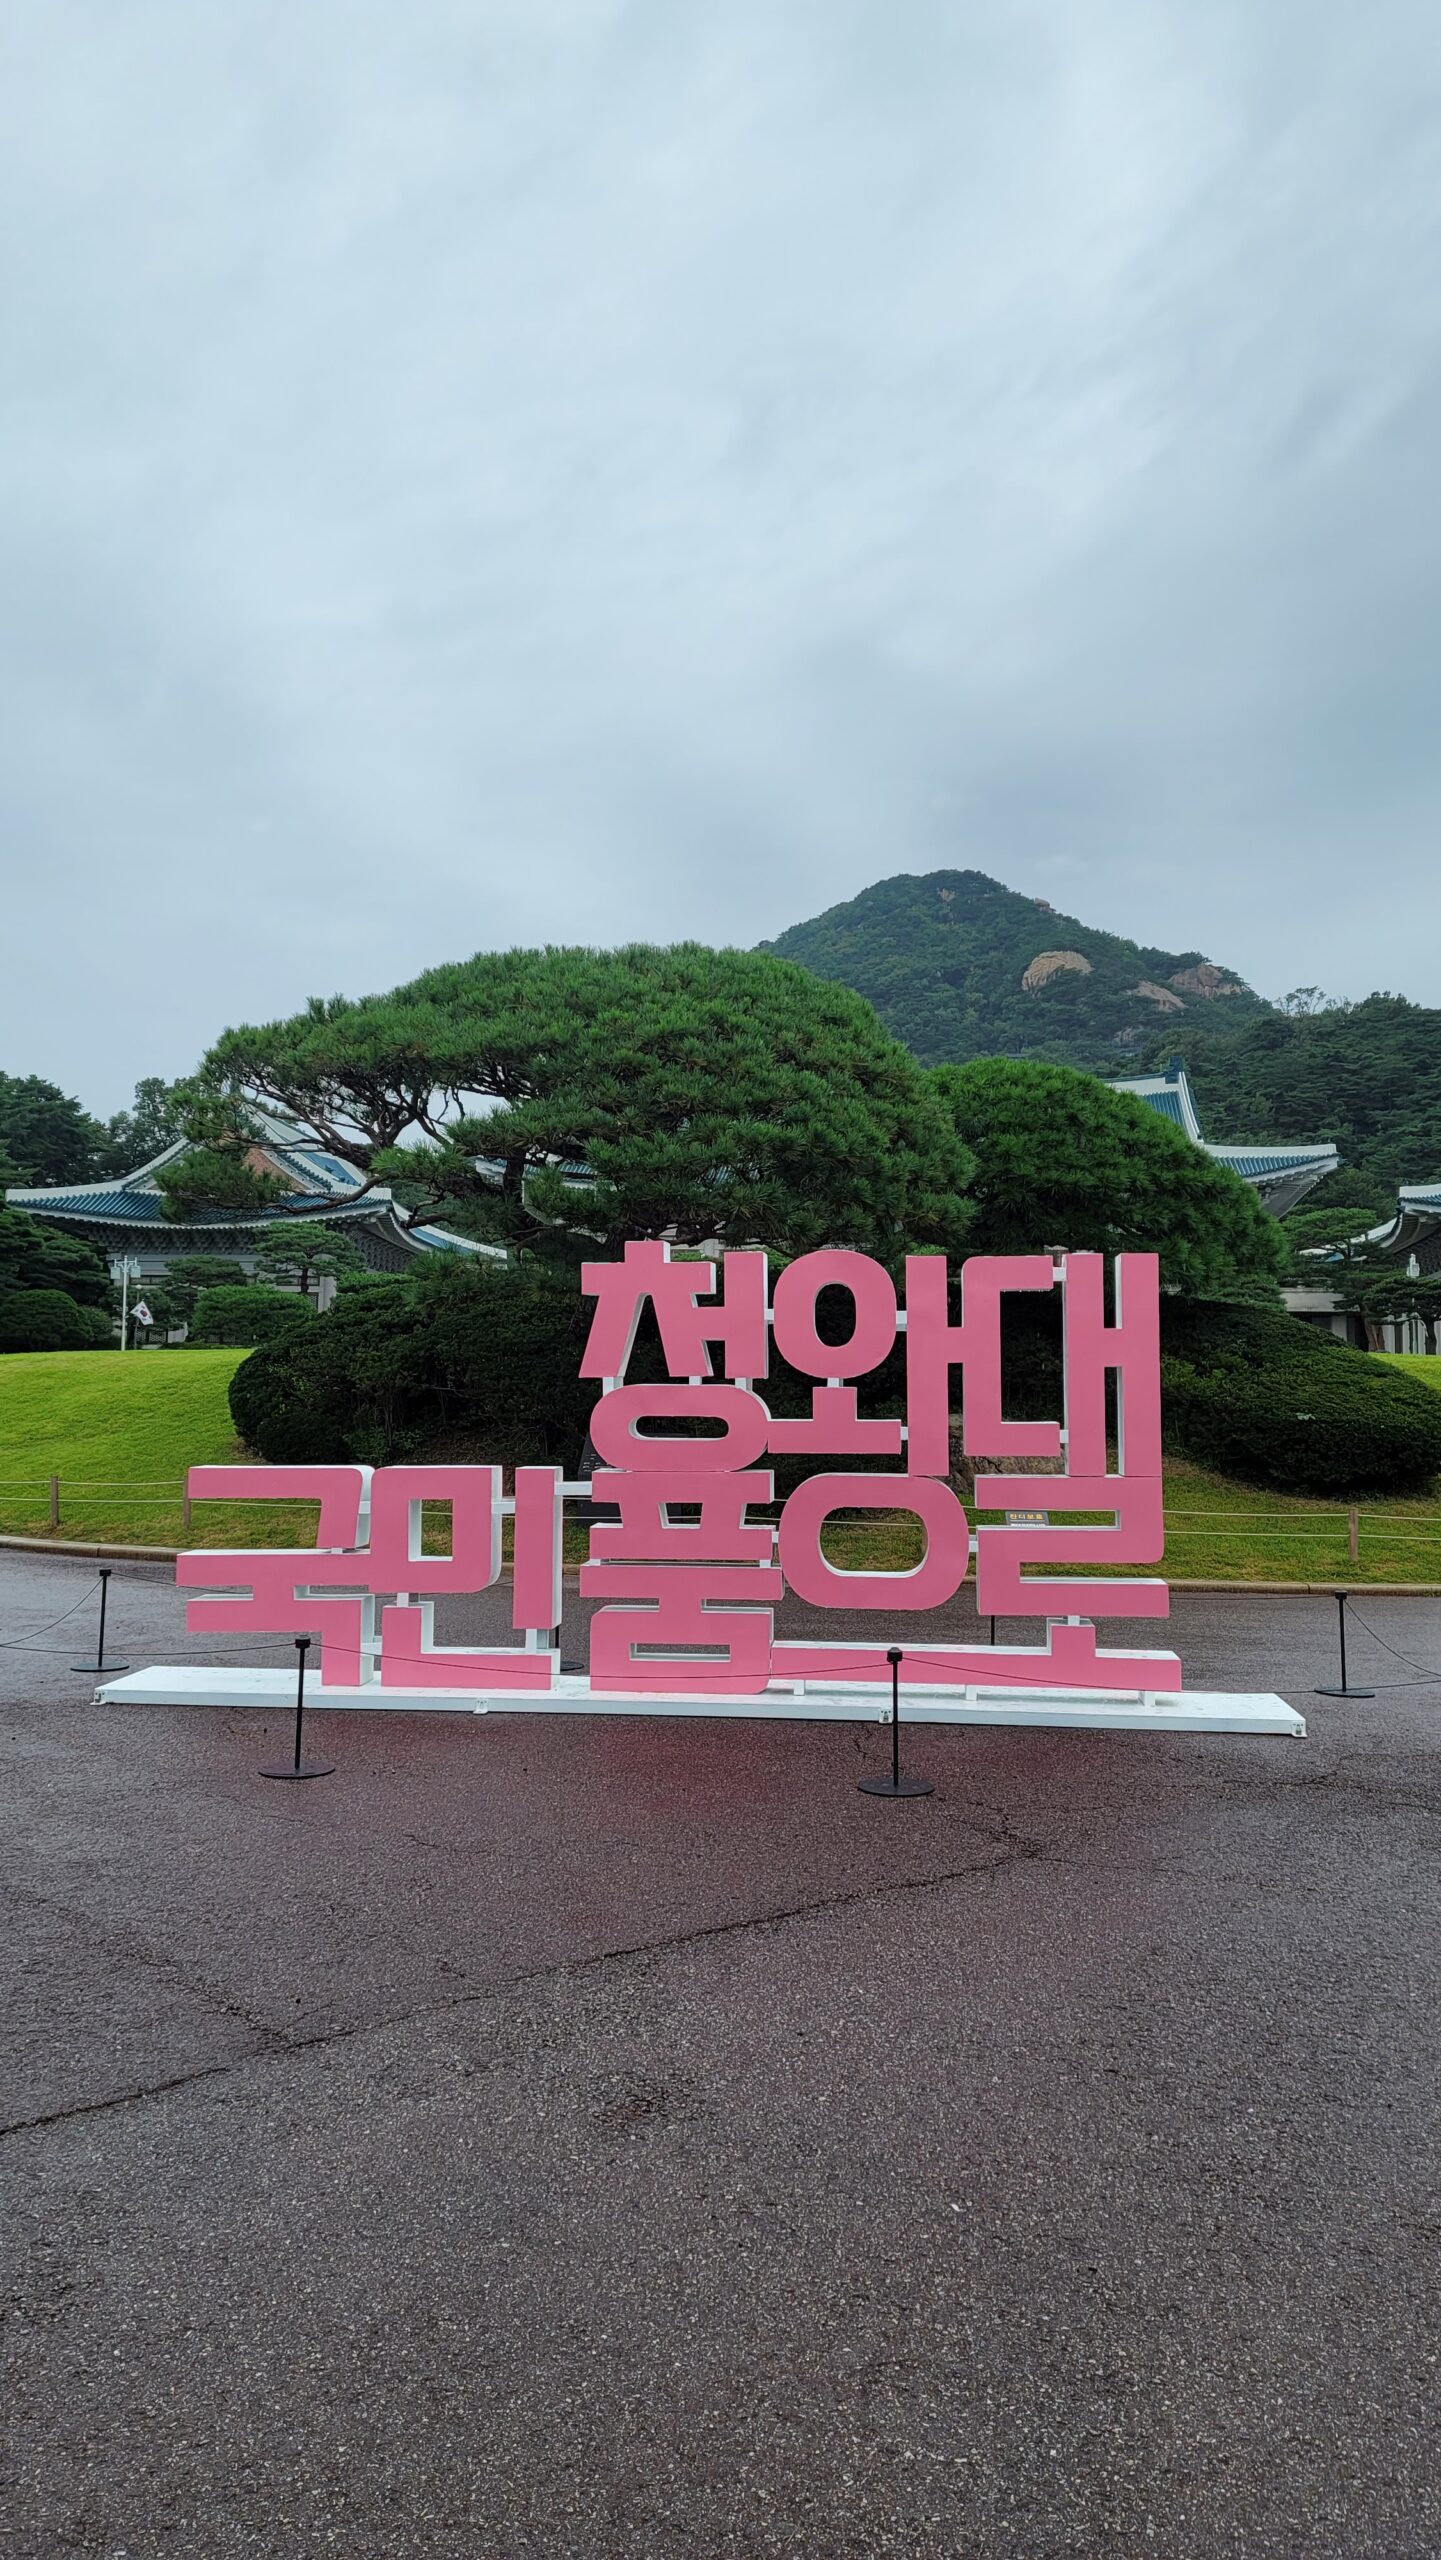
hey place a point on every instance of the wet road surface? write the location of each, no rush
(551, 2137)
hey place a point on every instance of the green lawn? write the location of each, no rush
(1220, 1531)
(1416, 1364)
(120, 1429)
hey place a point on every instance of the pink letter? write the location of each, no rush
(613, 1428)
(873, 1297)
(941, 1571)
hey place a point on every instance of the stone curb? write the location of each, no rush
(74, 1547)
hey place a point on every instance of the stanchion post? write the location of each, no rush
(1325, 1690)
(299, 1768)
(895, 1785)
(100, 1663)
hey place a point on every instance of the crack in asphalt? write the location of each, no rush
(273, 2042)
(130, 1951)
(1318, 1782)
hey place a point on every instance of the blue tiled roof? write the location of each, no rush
(441, 1240)
(1251, 1162)
(311, 1157)
(147, 1208)
(1168, 1103)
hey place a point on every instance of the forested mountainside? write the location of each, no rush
(959, 967)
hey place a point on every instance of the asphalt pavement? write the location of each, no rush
(551, 2138)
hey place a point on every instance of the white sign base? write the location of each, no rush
(1100, 1710)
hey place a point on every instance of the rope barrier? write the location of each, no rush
(1433, 1676)
(26, 1647)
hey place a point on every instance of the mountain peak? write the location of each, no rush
(959, 966)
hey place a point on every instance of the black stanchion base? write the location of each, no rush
(100, 1670)
(902, 1787)
(307, 1769)
(1343, 1693)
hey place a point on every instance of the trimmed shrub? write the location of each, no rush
(476, 1357)
(247, 1316)
(1266, 1397)
(44, 1320)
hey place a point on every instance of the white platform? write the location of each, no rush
(1103, 1710)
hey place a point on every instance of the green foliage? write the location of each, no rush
(1382, 1290)
(1367, 1075)
(1268, 1398)
(1060, 1160)
(942, 955)
(217, 1178)
(458, 1353)
(1306, 1229)
(294, 1255)
(46, 1135)
(221, 1168)
(153, 1122)
(35, 1255)
(247, 1316)
(478, 1361)
(714, 1094)
(43, 1320)
(1345, 1190)
(193, 1272)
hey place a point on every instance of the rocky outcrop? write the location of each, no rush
(1162, 996)
(1207, 980)
(1049, 964)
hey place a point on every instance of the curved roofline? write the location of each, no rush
(1284, 1159)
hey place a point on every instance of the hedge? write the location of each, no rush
(45, 1320)
(1266, 1397)
(479, 1360)
(246, 1316)
(468, 1353)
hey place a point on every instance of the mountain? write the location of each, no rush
(960, 967)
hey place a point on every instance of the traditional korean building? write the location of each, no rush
(127, 1220)
(1415, 1232)
(1280, 1176)
(1413, 1239)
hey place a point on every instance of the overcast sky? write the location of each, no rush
(609, 469)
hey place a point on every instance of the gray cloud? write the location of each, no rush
(569, 469)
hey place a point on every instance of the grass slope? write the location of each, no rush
(1422, 1365)
(1218, 1530)
(119, 1428)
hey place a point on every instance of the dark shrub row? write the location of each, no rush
(1263, 1396)
(49, 1320)
(481, 1360)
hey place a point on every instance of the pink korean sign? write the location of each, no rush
(689, 1566)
